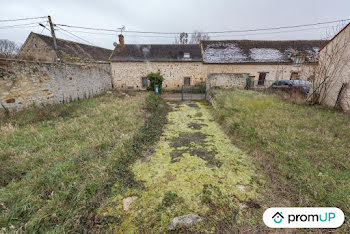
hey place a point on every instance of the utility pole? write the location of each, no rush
(54, 38)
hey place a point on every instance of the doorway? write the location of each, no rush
(262, 76)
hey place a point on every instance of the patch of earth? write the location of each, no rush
(193, 144)
(194, 170)
(196, 126)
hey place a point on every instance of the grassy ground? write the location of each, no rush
(195, 169)
(304, 150)
(67, 168)
(59, 163)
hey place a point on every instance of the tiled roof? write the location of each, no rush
(248, 51)
(170, 52)
(74, 50)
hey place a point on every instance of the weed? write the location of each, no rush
(59, 162)
(304, 150)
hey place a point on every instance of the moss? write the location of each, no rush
(205, 176)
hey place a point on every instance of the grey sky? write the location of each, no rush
(175, 16)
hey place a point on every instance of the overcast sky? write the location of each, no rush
(174, 16)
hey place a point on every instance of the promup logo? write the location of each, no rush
(278, 217)
(295, 217)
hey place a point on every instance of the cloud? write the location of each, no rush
(174, 16)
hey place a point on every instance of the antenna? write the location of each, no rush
(122, 29)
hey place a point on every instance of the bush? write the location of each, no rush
(155, 78)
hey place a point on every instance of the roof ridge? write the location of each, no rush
(71, 41)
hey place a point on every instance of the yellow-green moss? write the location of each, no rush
(193, 181)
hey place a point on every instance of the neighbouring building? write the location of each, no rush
(40, 47)
(332, 79)
(263, 61)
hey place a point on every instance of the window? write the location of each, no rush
(187, 56)
(298, 60)
(144, 82)
(187, 81)
(316, 49)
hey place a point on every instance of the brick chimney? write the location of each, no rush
(121, 39)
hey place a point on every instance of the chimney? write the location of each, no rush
(121, 39)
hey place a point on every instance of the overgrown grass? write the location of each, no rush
(58, 163)
(305, 150)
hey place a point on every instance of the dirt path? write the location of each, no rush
(195, 169)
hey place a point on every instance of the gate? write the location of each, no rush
(193, 92)
(186, 92)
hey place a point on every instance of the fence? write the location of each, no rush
(197, 92)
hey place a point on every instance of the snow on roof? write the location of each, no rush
(266, 55)
(225, 53)
(247, 51)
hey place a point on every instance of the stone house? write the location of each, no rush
(264, 61)
(179, 64)
(332, 80)
(40, 47)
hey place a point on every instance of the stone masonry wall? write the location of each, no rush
(334, 64)
(227, 80)
(129, 74)
(274, 71)
(27, 83)
(37, 50)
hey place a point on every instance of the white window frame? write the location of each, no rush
(298, 60)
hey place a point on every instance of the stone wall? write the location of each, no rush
(227, 80)
(129, 74)
(334, 72)
(26, 83)
(36, 49)
(274, 71)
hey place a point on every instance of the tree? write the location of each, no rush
(8, 49)
(198, 36)
(183, 38)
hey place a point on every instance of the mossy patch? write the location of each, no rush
(192, 171)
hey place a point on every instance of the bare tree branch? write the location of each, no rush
(327, 75)
(8, 49)
(198, 36)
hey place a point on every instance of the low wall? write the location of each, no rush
(27, 83)
(227, 80)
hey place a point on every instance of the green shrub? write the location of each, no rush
(155, 78)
